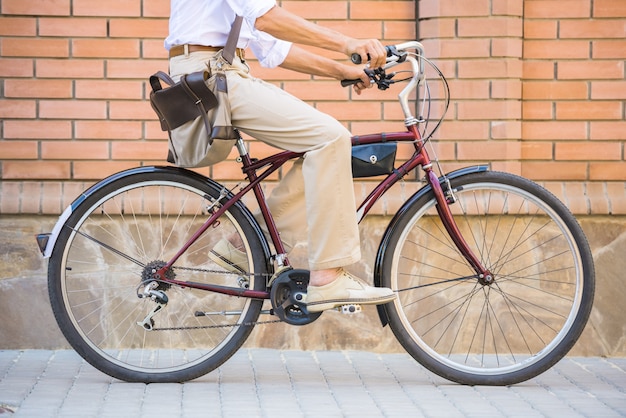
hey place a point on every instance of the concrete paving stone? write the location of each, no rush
(269, 383)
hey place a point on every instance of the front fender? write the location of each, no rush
(382, 248)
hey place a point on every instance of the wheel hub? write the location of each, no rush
(149, 274)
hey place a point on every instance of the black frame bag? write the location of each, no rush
(370, 160)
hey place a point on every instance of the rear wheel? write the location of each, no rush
(102, 262)
(506, 331)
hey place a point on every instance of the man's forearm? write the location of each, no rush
(289, 27)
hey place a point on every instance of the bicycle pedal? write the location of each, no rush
(349, 309)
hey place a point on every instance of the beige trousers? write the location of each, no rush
(314, 201)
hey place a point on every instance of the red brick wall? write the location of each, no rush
(538, 88)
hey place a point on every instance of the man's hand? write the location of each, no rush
(372, 47)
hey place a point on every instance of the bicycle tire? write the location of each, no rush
(513, 329)
(97, 269)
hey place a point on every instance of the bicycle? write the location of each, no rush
(494, 276)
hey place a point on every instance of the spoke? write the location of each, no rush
(108, 247)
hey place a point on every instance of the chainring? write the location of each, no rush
(287, 296)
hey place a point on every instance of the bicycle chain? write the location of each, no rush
(219, 326)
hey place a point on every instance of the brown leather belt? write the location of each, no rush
(180, 50)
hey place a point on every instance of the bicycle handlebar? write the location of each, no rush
(396, 54)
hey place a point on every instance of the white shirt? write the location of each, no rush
(208, 23)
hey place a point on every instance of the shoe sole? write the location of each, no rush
(335, 303)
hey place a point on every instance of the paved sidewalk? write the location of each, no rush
(274, 383)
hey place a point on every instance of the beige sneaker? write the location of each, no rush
(225, 255)
(346, 290)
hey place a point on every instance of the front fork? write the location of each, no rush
(444, 200)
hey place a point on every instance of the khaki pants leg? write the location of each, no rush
(316, 197)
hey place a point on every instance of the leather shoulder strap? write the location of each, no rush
(231, 43)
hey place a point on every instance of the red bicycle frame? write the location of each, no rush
(272, 163)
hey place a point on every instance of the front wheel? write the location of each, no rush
(513, 328)
(102, 264)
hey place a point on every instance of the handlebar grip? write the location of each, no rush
(346, 83)
(356, 58)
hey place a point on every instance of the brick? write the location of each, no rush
(506, 47)
(324, 90)
(35, 170)
(36, 8)
(363, 128)
(609, 171)
(18, 150)
(131, 110)
(538, 70)
(138, 150)
(107, 129)
(595, 110)
(356, 28)
(537, 110)
(434, 8)
(605, 29)
(489, 27)
(610, 49)
(152, 130)
(74, 150)
(507, 8)
(140, 69)
(489, 68)
(493, 109)
(598, 199)
(554, 130)
(393, 10)
(156, 8)
(352, 110)
(97, 170)
(401, 31)
(540, 29)
(588, 151)
(468, 89)
(18, 26)
(72, 109)
(558, 9)
(508, 129)
(616, 191)
(9, 196)
(537, 151)
(576, 199)
(37, 129)
(437, 28)
(75, 68)
(318, 10)
(31, 197)
(33, 47)
(460, 48)
(506, 89)
(107, 8)
(38, 88)
(109, 89)
(555, 90)
(72, 27)
(609, 8)
(582, 70)
(554, 170)
(608, 130)
(489, 150)
(105, 48)
(17, 109)
(151, 48)
(50, 193)
(138, 28)
(16, 67)
(606, 90)
(556, 49)
(463, 130)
